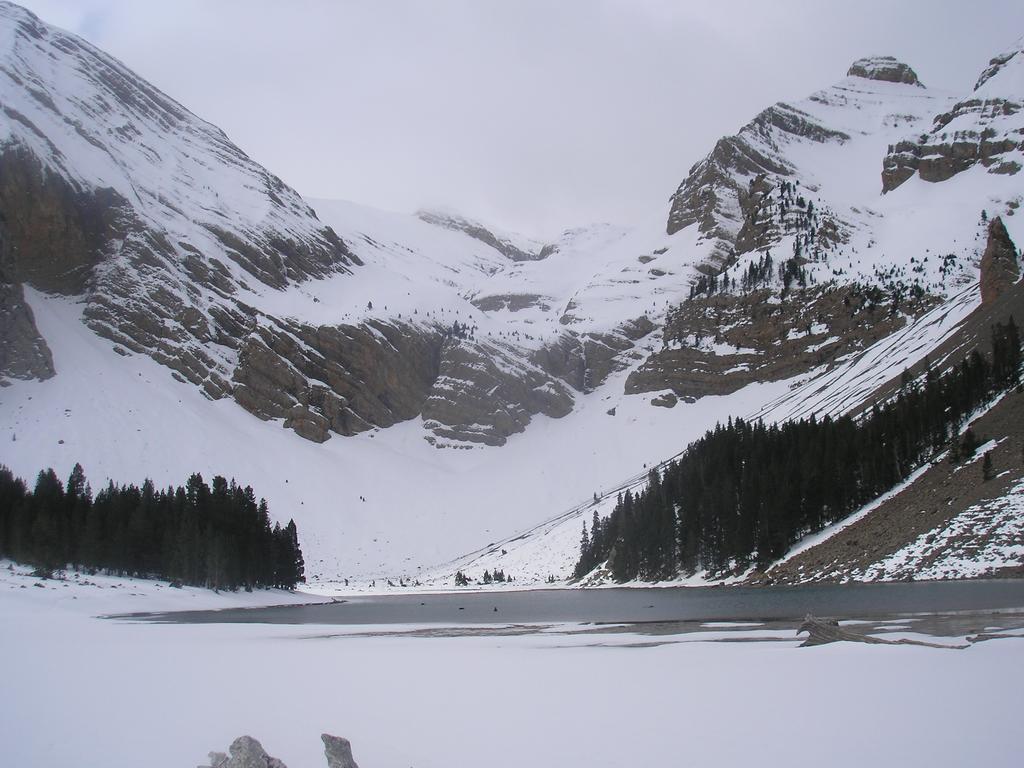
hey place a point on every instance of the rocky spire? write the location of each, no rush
(999, 268)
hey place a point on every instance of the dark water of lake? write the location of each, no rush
(632, 605)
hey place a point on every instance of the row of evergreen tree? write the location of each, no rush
(758, 274)
(218, 537)
(745, 492)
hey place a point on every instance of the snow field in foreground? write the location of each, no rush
(87, 691)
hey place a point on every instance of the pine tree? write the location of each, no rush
(969, 444)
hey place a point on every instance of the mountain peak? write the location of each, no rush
(885, 68)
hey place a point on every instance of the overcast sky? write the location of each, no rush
(531, 115)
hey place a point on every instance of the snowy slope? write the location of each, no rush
(125, 419)
(591, 282)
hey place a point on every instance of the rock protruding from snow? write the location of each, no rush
(824, 631)
(885, 68)
(516, 249)
(346, 378)
(986, 129)
(719, 344)
(246, 752)
(338, 751)
(716, 193)
(997, 63)
(24, 353)
(999, 268)
(486, 392)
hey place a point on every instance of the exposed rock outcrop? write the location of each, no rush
(999, 268)
(338, 751)
(55, 234)
(771, 211)
(884, 68)
(717, 194)
(24, 353)
(995, 65)
(344, 379)
(246, 752)
(477, 231)
(942, 154)
(348, 379)
(486, 392)
(512, 302)
(585, 361)
(766, 338)
(986, 129)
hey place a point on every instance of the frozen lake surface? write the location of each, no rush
(457, 688)
(632, 605)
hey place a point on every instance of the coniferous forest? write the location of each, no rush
(217, 537)
(745, 492)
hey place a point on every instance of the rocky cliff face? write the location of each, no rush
(718, 344)
(486, 392)
(341, 379)
(24, 353)
(985, 129)
(55, 233)
(717, 195)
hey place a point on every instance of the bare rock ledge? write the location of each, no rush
(246, 752)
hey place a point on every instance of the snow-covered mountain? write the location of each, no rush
(167, 304)
(886, 262)
(113, 192)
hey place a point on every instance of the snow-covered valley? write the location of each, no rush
(446, 387)
(796, 378)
